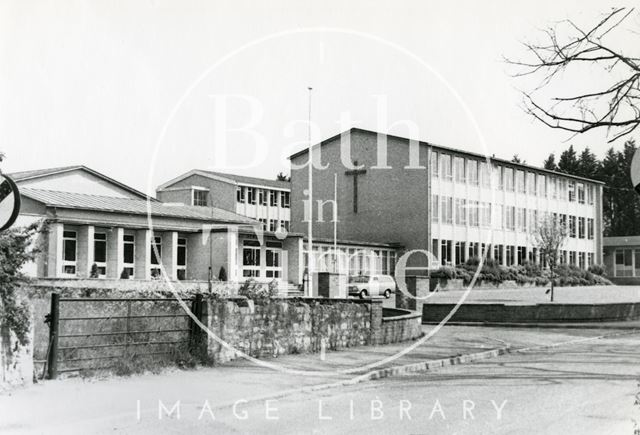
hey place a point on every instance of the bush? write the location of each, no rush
(124, 274)
(222, 276)
(94, 271)
(598, 269)
(251, 289)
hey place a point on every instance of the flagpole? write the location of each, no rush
(335, 222)
(310, 267)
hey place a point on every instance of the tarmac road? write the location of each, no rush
(578, 386)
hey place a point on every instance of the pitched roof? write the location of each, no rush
(39, 173)
(229, 178)
(131, 206)
(304, 151)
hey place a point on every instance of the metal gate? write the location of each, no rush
(101, 333)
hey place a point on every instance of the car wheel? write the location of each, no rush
(363, 294)
(387, 293)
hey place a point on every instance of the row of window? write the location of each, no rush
(455, 252)
(254, 195)
(353, 261)
(274, 225)
(477, 172)
(460, 211)
(70, 255)
(627, 262)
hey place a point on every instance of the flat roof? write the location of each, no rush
(448, 149)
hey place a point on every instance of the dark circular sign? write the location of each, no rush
(9, 202)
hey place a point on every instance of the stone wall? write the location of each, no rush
(288, 326)
(400, 325)
(16, 361)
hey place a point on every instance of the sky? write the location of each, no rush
(143, 91)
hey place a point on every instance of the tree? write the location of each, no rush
(516, 159)
(283, 177)
(588, 165)
(568, 162)
(548, 236)
(568, 49)
(16, 249)
(550, 163)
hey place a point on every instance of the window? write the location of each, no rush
(485, 175)
(447, 210)
(497, 253)
(100, 253)
(510, 217)
(434, 164)
(499, 172)
(273, 267)
(156, 259)
(553, 187)
(590, 228)
(521, 219)
(458, 163)
(263, 221)
(520, 181)
(581, 260)
(590, 259)
(562, 189)
(580, 193)
(508, 179)
(251, 195)
(69, 252)
(445, 166)
(262, 197)
(572, 258)
(473, 248)
(284, 200)
(572, 226)
(472, 171)
(284, 225)
(581, 229)
(200, 197)
(445, 251)
(541, 185)
(273, 198)
(590, 194)
(533, 219)
(251, 259)
(435, 214)
(521, 254)
(459, 251)
(485, 214)
(272, 225)
(128, 254)
(563, 221)
(240, 196)
(531, 183)
(510, 255)
(461, 211)
(572, 191)
(623, 262)
(181, 262)
(474, 213)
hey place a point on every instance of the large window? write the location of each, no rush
(69, 252)
(541, 185)
(553, 187)
(510, 215)
(156, 256)
(581, 228)
(251, 259)
(445, 166)
(445, 251)
(521, 219)
(485, 214)
(100, 253)
(181, 261)
(498, 217)
(273, 267)
(251, 195)
(461, 176)
(447, 209)
(434, 164)
(624, 262)
(284, 199)
(240, 196)
(200, 197)
(572, 226)
(472, 171)
(129, 254)
(435, 213)
(572, 191)
(590, 228)
(531, 183)
(580, 193)
(461, 211)
(460, 252)
(520, 181)
(262, 197)
(590, 194)
(273, 198)
(474, 213)
(485, 175)
(508, 179)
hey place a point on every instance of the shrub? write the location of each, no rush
(222, 276)
(251, 289)
(94, 271)
(124, 274)
(598, 269)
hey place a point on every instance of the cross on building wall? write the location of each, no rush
(355, 173)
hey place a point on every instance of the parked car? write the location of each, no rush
(371, 285)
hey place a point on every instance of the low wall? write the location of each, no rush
(400, 325)
(16, 361)
(288, 326)
(443, 284)
(91, 285)
(538, 313)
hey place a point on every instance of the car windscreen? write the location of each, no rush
(358, 279)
